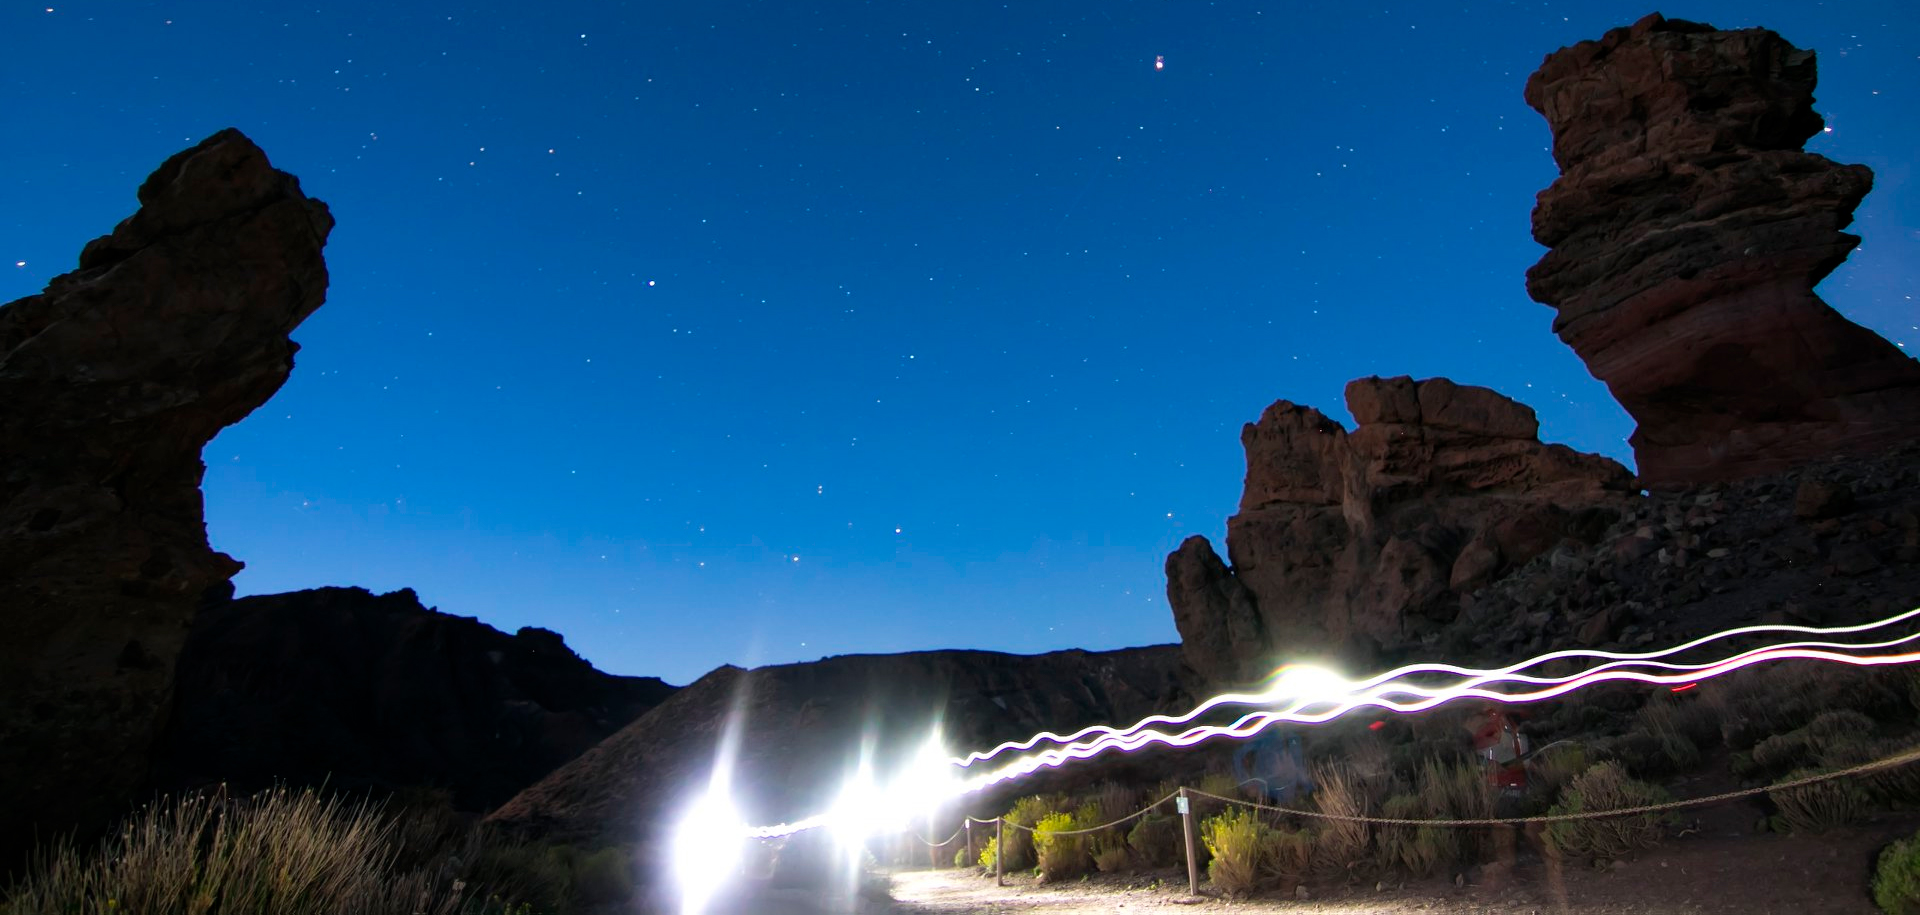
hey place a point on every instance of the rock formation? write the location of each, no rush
(342, 687)
(111, 381)
(1688, 228)
(802, 727)
(1358, 546)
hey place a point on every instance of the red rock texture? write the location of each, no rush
(356, 690)
(111, 381)
(1688, 228)
(1357, 546)
(802, 726)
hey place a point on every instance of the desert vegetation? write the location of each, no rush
(292, 852)
(1759, 730)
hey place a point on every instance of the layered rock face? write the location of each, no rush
(1688, 228)
(351, 689)
(111, 381)
(801, 729)
(1357, 547)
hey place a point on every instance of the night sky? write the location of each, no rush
(729, 332)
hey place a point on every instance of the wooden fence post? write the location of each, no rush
(1186, 825)
(999, 851)
(972, 856)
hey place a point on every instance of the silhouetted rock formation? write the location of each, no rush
(111, 381)
(1687, 230)
(1358, 546)
(340, 686)
(802, 727)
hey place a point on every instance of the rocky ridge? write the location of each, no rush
(342, 687)
(801, 728)
(1357, 546)
(1687, 230)
(111, 381)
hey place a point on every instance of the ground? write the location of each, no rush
(1717, 870)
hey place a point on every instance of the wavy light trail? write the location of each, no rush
(1252, 724)
(1278, 691)
(1308, 696)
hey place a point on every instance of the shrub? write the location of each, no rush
(1819, 806)
(1112, 858)
(961, 858)
(1417, 850)
(1341, 845)
(1240, 845)
(1896, 878)
(1780, 753)
(281, 851)
(603, 877)
(1027, 811)
(988, 852)
(1604, 786)
(1221, 784)
(1156, 838)
(1289, 853)
(1061, 856)
(1550, 771)
(1457, 791)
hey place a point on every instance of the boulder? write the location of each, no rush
(1352, 546)
(1687, 230)
(173, 327)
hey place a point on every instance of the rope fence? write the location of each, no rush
(1184, 795)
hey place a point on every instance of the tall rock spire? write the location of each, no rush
(111, 382)
(1687, 231)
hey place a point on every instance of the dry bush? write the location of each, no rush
(1064, 856)
(1604, 786)
(1820, 806)
(1341, 845)
(1769, 699)
(1780, 752)
(281, 851)
(1156, 838)
(1241, 847)
(1221, 784)
(1894, 785)
(1111, 858)
(1458, 791)
(1550, 771)
(1289, 855)
(1417, 850)
(1027, 811)
(1896, 878)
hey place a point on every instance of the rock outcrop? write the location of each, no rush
(1688, 228)
(1357, 547)
(343, 687)
(802, 728)
(111, 381)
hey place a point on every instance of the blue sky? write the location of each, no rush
(756, 332)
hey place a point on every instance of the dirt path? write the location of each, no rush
(1706, 874)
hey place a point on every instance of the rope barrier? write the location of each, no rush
(1889, 762)
(949, 840)
(1131, 816)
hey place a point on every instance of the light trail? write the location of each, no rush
(1252, 724)
(1277, 692)
(1312, 696)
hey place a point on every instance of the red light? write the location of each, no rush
(1376, 726)
(1683, 688)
